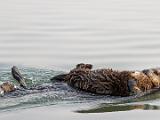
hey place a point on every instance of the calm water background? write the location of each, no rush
(61, 33)
(57, 34)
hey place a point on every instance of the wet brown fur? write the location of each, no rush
(111, 82)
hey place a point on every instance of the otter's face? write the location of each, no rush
(8, 87)
(139, 76)
(136, 74)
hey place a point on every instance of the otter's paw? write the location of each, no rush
(136, 91)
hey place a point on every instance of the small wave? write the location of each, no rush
(44, 92)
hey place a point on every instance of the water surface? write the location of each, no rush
(61, 33)
(59, 94)
(57, 34)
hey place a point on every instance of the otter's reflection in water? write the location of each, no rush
(115, 108)
(127, 104)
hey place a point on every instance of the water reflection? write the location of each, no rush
(115, 108)
(148, 96)
(128, 103)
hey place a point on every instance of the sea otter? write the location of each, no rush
(100, 81)
(111, 82)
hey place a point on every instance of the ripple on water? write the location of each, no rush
(120, 34)
(59, 93)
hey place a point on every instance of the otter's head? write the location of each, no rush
(84, 66)
(137, 75)
(8, 87)
(138, 82)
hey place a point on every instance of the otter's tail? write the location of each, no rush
(60, 77)
(18, 77)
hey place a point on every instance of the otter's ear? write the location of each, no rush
(89, 66)
(79, 65)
